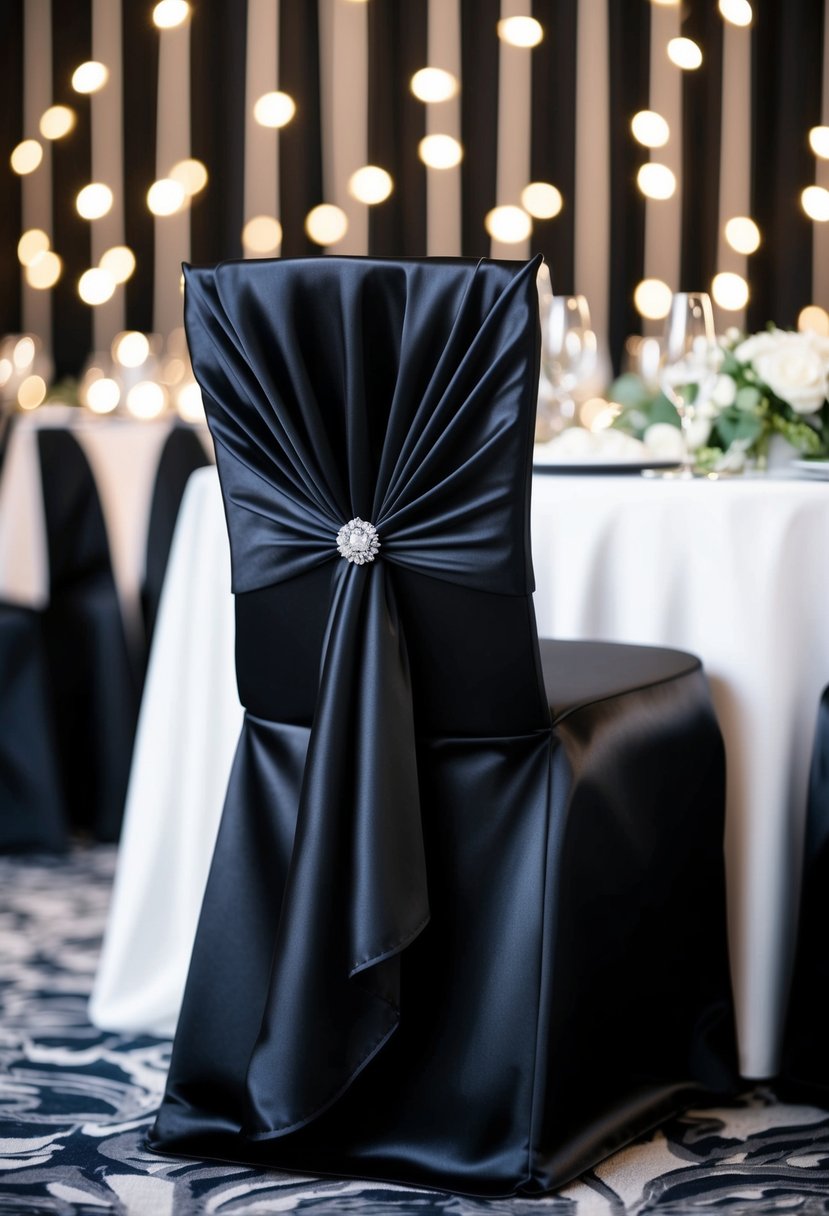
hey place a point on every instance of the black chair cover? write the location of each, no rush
(805, 1066)
(93, 687)
(420, 880)
(182, 454)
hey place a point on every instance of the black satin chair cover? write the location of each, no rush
(805, 1061)
(388, 977)
(182, 454)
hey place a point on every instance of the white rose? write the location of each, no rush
(758, 344)
(725, 392)
(795, 372)
(664, 441)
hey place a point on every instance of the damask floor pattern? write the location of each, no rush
(75, 1104)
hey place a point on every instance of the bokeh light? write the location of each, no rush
(131, 348)
(189, 402)
(326, 224)
(96, 286)
(819, 142)
(729, 290)
(742, 234)
(166, 197)
(370, 185)
(434, 84)
(542, 200)
(262, 234)
(119, 261)
(23, 354)
(652, 299)
(738, 12)
(520, 31)
(814, 319)
(167, 14)
(89, 77)
(31, 392)
(440, 151)
(815, 202)
(656, 181)
(685, 53)
(146, 399)
(33, 243)
(45, 271)
(508, 224)
(26, 157)
(56, 122)
(190, 174)
(94, 201)
(274, 109)
(650, 129)
(103, 395)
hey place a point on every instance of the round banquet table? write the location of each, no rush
(733, 570)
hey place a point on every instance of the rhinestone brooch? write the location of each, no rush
(358, 541)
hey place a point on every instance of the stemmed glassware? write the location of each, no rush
(689, 364)
(569, 355)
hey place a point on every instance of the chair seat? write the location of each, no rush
(577, 674)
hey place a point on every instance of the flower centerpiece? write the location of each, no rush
(770, 383)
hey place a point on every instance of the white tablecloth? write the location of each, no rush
(123, 454)
(735, 571)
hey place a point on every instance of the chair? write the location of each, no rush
(451, 936)
(804, 1074)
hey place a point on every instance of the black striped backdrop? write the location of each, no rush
(787, 59)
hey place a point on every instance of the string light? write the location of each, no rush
(326, 224)
(814, 319)
(815, 202)
(656, 181)
(434, 84)
(819, 142)
(167, 14)
(742, 234)
(166, 197)
(520, 31)
(738, 12)
(650, 129)
(119, 261)
(45, 271)
(274, 109)
(33, 243)
(652, 298)
(508, 224)
(685, 53)
(103, 395)
(729, 290)
(56, 122)
(370, 185)
(146, 399)
(31, 393)
(262, 234)
(542, 200)
(94, 201)
(89, 77)
(440, 151)
(131, 348)
(190, 174)
(96, 286)
(26, 157)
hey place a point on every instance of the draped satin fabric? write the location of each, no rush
(372, 979)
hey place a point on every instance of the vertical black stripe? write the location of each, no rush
(397, 48)
(217, 123)
(479, 120)
(11, 133)
(71, 171)
(787, 61)
(553, 149)
(629, 32)
(140, 68)
(701, 125)
(300, 143)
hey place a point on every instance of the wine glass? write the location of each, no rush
(689, 363)
(569, 355)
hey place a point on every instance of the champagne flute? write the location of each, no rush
(569, 355)
(689, 364)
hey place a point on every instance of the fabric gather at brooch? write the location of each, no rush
(358, 541)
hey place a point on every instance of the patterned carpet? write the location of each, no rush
(75, 1104)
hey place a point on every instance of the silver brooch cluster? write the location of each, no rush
(358, 542)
